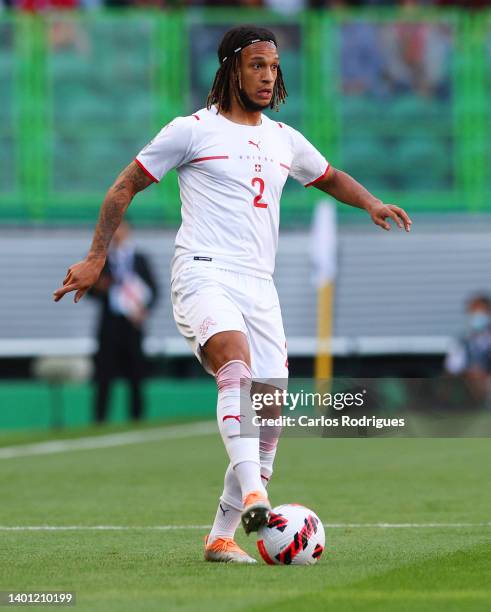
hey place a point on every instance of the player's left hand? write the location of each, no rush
(380, 212)
(80, 278)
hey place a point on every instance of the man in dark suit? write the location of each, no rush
(127, 291)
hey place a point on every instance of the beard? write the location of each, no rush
(250, 105)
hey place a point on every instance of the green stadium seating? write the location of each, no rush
(86, 99)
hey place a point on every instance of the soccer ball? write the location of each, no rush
(294, 535)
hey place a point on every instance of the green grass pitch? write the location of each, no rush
(177, 481)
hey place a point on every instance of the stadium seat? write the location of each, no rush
(425, 167)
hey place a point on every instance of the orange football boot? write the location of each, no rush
(256, 511)
(225, 550)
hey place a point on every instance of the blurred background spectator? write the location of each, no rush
(127, 291)
(417, 56)
(362, 59)
(471, 4)
(286, 6)
(394, 58)
(283, 6)
(470, 357)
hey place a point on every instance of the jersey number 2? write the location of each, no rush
(257, 199)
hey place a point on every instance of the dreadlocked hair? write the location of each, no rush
(226, 84)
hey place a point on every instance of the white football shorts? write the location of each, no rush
(207, 300)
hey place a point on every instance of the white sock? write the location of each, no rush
(249, 476)
(267, 460)
(234, 384)
(268, 442)
(227, 520)
(229, 509)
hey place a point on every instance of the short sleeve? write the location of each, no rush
(308, 165)
(170, 149)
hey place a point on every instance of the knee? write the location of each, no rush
(231, 351)
(234, 374)
(226, 347)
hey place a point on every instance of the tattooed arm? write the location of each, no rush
(82, 275)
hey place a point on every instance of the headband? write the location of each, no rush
(250, 43)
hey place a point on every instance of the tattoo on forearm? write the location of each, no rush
(131, 180)
(112, 212)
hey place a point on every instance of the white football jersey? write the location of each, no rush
(231, 177)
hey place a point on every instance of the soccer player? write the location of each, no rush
(232, 162)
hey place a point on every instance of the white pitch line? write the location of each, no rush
(101, 527)
(202, 527)
(404, 525)
(201, 428)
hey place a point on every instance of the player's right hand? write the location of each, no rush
(80, 278)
